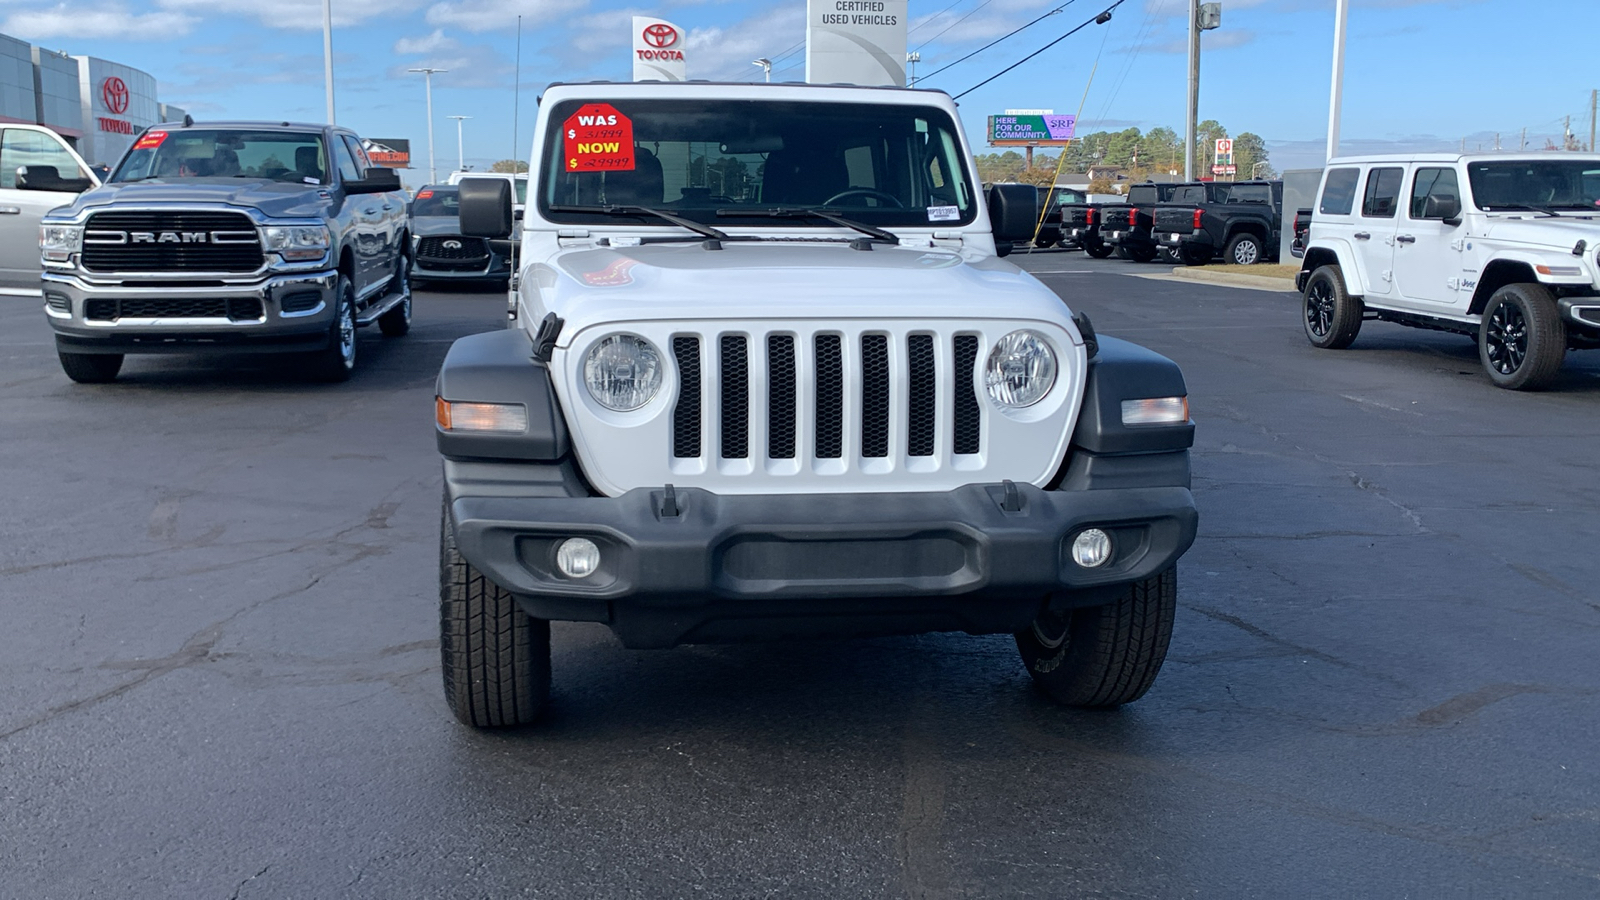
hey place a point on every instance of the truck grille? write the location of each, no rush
(436, 252)
(910, 361)
(237, 309)
(182, 241)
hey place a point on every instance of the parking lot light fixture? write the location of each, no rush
(766, 67)
(461, 155)
(427, 74)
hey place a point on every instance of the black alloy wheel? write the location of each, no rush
(1521, 339)
(1505, 339)
(1331, 317)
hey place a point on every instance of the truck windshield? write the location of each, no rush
(291, 156)
(880, 164)
(1536, 183)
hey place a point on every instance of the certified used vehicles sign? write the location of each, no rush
(598, 139)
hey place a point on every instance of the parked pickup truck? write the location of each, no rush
(1130, 229)
(1240, 221)
(1050, 233)
(227, 237)
(792, 390)
(1081, 223)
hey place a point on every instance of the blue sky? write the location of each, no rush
(1421, 74)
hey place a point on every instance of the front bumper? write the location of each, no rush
(278, 313)
(737, 567)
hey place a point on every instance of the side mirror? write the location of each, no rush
(378, 181)
(1446, 206)
(516, 214)
(1013, 212)
(48, 178)
(485, 208)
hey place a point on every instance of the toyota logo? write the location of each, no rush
(660, 35)
(115, 94)
(452, 245)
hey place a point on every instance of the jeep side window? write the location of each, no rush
(1339, 192)
(1383, 191)
(1434, 183)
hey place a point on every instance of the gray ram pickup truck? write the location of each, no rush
(226, 238)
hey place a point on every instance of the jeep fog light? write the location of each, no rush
(1091, 548)
(577, 557)
(623, 372)
(485, 418)
(1021, 369)
(1156, 411)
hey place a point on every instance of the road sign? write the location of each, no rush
(1229, 169)
(1224, 151)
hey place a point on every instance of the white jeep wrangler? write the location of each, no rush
(768, 378)
(1504, 248)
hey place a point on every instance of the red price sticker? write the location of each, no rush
(150, 141)
(597, 138)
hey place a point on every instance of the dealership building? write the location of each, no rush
(99, 106)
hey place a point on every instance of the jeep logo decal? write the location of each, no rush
(167, 237)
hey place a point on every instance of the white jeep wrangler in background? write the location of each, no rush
(1502, 247)
(767, 377)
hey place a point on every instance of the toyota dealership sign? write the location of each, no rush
(658, 50)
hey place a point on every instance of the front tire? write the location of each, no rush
(496, 658)
(1103, 656)
(1332, 318)
(1244, 250)
(396, 322)
(337, 361)
(90, 368)
(1521, 339)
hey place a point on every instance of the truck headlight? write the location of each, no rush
(297, 243)
(59, 242)
(623, 372)
(1021, 369)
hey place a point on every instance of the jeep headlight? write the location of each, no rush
(59, 242)
(622, 372)
(297, 243)
(1021, 369)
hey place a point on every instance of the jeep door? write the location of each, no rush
(1427, 252)
(20, 211)
(1376, 226)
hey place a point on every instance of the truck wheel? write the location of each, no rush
(1098, 249)
(1044, 242)
(1122, 252)
(496, 658)
(1522, 339)
(397, 321)
(91, 368)
(1142, 254)
(1103, 656)
(1194, 256)
(1332, 317)
(1244, 250)
(335, 362)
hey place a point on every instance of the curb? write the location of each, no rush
(1264, 282)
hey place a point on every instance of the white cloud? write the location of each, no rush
(111, 20)
(490, 15)
(433, 43)
(725, 53)
(298, 15)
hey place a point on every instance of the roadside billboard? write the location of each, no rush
(1018, 130)
(856, 42)
(1224, 151)
(658, 50)
(391, 153)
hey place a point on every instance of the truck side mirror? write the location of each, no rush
(48, 178)
(485, 208)
(1013, 212)
(377, 181)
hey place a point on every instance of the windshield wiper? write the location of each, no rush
(1530, 207)
(692, 225)
(785, 212)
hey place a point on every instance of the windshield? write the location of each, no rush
(1546, 183)
(437, 201)
(298, 157)
(884, 165)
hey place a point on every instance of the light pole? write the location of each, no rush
(912, 59)
(461, 155)
(327, 53)
(766, 67)
(427, 74)
(1341, 11)
(1202, 17)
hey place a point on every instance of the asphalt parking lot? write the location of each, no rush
(221, 676)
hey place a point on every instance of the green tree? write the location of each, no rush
(1161, 150)
(509, 165)
(1250, 155)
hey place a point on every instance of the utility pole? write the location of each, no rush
(461, 154)
(427, 74)
(1194, 91)
(1524, 144)
(1497, 140)
(516, 102)
(1341, 14)
(327, 53)
(1594, 96)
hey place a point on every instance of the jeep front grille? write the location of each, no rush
(912, 363)
(171, 241)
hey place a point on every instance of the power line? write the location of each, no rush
(929, 20)
(998, 39)
(952, 25)
(1102, 17)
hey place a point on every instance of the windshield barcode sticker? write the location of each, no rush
(944, 213)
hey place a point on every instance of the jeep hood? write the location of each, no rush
(273, 198)
(1561, 233)
(785, 281)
